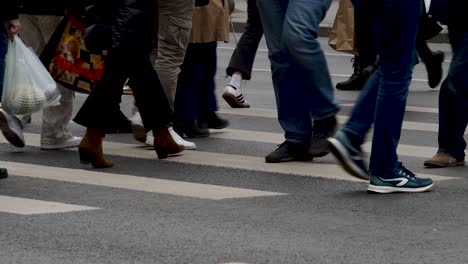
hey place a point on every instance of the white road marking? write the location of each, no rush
(269, 113)
(333, 74)
(129, 182)
(23, 206)
(336, 54)
(411, 109)
(277, 138)
(213, 159)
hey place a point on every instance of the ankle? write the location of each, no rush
(236, 80)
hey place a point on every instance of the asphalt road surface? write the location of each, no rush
(222, 204)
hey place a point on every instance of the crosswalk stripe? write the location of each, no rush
(213, 159)
(268, 113)
(135, 183)
(333, 74)
(409, 108)
(276, 138)
(23, 206)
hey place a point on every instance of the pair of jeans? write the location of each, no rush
(453, 98)
(3, 51)
(301, 79)
(195, 97)
(383, 99)
(128, 60)
(244, 55)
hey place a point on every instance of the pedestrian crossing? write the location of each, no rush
(200, 157)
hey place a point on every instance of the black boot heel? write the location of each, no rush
(161, 152)
(85, 156)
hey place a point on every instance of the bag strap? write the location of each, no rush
(49, 50)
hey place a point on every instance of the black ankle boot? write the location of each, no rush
(359, 77)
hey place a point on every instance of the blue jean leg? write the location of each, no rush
(453, 99)
(384, 97)
(302, 19)
(3, 51)
(298, 87)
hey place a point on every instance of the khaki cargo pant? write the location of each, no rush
(175, 24)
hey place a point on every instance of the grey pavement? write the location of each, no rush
(221, 203)
(239, 18)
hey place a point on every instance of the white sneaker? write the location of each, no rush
(12, 129)
(69, 143)
(234, 97)
(138, 129)
(178, 139)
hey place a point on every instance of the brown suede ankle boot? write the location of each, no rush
(164, 144)
(90, 149)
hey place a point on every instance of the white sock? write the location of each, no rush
(236, 80)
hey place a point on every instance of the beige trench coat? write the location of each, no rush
(211, 22)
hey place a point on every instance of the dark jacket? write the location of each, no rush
(9, 10)
(457, 11)
(132, 21)
(45, 7)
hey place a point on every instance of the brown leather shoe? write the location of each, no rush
(443, 160)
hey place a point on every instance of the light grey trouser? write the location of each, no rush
(175, 25)
(37, 30)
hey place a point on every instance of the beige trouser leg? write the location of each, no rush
(175, 24)
(37, 30)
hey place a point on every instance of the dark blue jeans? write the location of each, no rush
(453, 98)
(3, 51)
(301, 79)
(195, 96)
(383, 99)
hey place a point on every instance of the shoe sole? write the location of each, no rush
(139, 133)
(339, 151)
(15, 139)
(59, 146)
(232, 101)
(429, 164)
(290, 159)
(388, 189)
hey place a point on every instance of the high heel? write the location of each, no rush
(90, 150)
(164, 144)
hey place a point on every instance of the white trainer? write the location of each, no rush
(234, 97)
(178, 139)
(69, 143)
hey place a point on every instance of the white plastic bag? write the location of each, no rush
(28, 86)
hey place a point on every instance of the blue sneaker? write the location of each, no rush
(403, 180)
(350, 158)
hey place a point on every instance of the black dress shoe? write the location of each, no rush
(3, 173)
(213, 121)
(434, 68)
(191, 130)
(289, 151)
